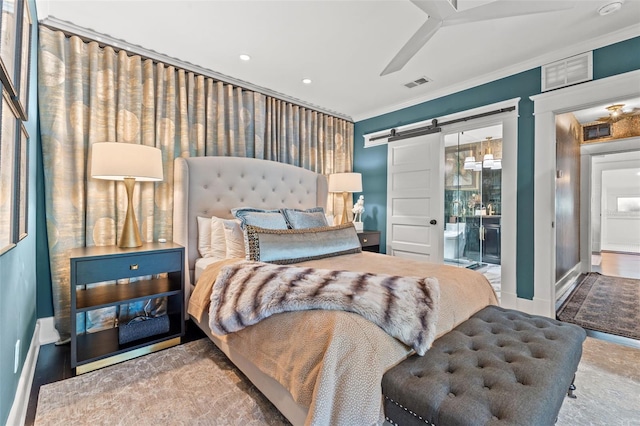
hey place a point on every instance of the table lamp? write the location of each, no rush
(127, 162)
(345, 183)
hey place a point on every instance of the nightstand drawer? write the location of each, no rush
(369, 238)
(116, 267)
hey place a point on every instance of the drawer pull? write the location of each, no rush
(133, 267)
(364, 240)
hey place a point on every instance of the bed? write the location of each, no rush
(315, 366)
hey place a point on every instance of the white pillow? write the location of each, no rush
(204, 236)
(330, 219)
(218, 239)
(235, 238)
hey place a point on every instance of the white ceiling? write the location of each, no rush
(342, 46)
(589, 115)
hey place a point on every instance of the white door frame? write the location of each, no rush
(546, 106)
(587, 152)
(509, 120)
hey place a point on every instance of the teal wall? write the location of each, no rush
(372, 162)
(18, 266)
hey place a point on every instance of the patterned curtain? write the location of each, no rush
(89, 94)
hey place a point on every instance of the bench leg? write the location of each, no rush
(572, 387)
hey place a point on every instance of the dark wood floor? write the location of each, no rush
(54, 364)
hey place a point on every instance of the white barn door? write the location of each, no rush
(415, 192)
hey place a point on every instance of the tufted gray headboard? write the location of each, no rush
(212, 186)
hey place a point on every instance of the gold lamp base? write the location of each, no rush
(130, 234)
(345, 217)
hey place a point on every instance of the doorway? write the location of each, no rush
(609, 214)
(473, 201)
(614, 226)
(504, 113)
(546, 107)
(616, 184)
(597, 188)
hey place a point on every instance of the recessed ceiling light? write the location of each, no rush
(609, 8)
(245, 57)
(306, 80)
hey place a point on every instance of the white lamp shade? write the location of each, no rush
(119, 160)
(497, 164)
(345, 182)
(469, 163)
(487, 161)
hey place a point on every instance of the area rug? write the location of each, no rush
(603, 303)
(189, 384)
(194, 384)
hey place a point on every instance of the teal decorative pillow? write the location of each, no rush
(302, 219)
(268, 219)
(298, 245)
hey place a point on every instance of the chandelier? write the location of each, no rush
(488, 160)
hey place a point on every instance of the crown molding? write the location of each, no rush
(119, 44)
(565, 52)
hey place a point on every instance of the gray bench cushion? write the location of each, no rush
(499, 367)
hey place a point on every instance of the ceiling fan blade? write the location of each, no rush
(415, 43)
(506, 9)
(435, 8)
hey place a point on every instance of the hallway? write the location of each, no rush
(611, 264)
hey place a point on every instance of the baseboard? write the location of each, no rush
(48, 332)
(508, 300)
(533, 307)
(525, 305)
(567, 280)
(18, 411)
(622, 248)
(543, 307)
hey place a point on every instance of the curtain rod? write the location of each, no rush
(435, 126)
(86, 34)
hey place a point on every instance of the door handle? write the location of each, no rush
(433, 222)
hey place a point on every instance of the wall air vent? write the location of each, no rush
(596, 131)
(418, 82)
(566, 72)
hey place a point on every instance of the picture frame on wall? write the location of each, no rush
(9, 33)
(456, 176)
(21, 76)
(8, 136)
(22, 186)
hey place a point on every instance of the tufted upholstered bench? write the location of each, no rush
(500, 367)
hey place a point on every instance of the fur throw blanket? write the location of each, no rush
(248, 292)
